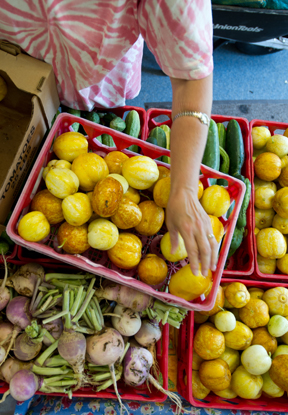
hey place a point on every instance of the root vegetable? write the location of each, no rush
(2, 354)
(148, 334)
(29, 343)
(23, 385)
(12, 366)
(129, 323)
(105, 347)
(55, 328)
(4, 291)
(6, 330)
(25, 278)
(72, 347)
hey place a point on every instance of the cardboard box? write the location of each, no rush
(26, 113)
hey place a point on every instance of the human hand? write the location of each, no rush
(186, 215)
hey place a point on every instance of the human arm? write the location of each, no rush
(188, 138)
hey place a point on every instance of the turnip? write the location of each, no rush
(17, 312)
(128, 323)
(55, 328)
(4, 291)
(25, 278)
(12, 366)
(149, 333)
(2, 354)
(6, 330)
(137, 364)
(29, 343)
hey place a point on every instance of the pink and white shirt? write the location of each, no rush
(96, 46)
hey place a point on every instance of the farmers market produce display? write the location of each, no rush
(271, 189)
(70, 331)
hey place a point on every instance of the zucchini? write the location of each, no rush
(133, 126)
(160, 136)
(242, 219)
(117, 124)
(72, 111)
(224, 166)
(107, 140)
(222, 134)
(235, 149)
(211, 157)
(236, 241)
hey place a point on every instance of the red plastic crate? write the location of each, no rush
(275, 128)
(143, 393)
(185, 359)
(241, 264)
(97, 262)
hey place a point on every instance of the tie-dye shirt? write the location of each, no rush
(96, 46)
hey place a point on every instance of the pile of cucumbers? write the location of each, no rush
(225, 152)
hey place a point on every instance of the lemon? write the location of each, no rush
(260, 136)
(264, 198)
(215, 200)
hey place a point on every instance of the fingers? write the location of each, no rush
(193, 253)
(214, 253)
(174, 240)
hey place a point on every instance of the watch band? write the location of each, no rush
(202, 117)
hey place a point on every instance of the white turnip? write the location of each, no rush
(25, 278)
(129, 323)
(149, 333)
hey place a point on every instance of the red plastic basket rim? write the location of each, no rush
(273, 126)
(152, 113)
(77, 261)
(161, 353)
(185, 360)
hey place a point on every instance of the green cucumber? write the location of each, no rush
(160, 136)
(117, 124)
(230, 210)
(99, 138)
(133, 148)
(133, 125)
(91, 116)
(72, 111)
(211, 157)
(235, 149)
(236, 241)
(224, 166)
(153, 140)
(242, 219)
(108, 117)
(222, 134)
(107, 140)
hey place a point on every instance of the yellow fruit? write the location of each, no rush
(262, 336)
(59, 164)
(257, 152)
(277, 300)
(255, 313)
(121, 180)
(278, 144)
(102, 234)
(126, 253)
(217, 228)
(267, 166)
(215, 374)
(215, 200)
(161, 192)
(200, 189)
(73, 239)
(199, 391)
(264, 217)
(199, 318)
(231, 357)
(266, 265)
(270, 388)
(209, 343)
(240, 338)
(90, 169)
(271, 243)
(49, 205)
(165, 246)
(3, 88)
(77, 209)
(264, 198)
(107, 196)
(218, 305)
(281, 224)
(256, 230)
(256, 292)
(260, 136)
(127, 215)
(152, 218)
(237, 294)
(279, 371)
(282, 264)
(262, 183)
(284, 161)
(280, 202)
(283, 178)
(69, 145)
(115, 160)
(62, 182)
(196, 360)
(185, 284)
(133, 195)
(226, 393)
(246, 386)
(140, 172)
(152, 270)
(163, 172)
(33, 227)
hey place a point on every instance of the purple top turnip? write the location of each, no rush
(23, 385)
(148, 334)
(55, 328)
(25, 278)
(129, 323)
(17, 312)
(137, 364)
(105, 347)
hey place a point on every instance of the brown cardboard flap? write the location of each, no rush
(10, 48)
